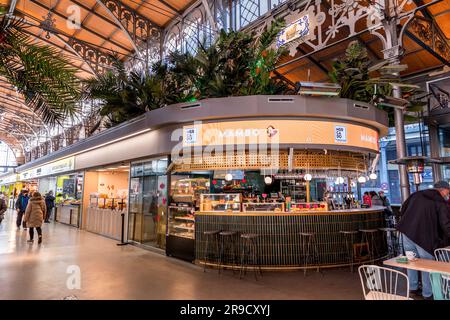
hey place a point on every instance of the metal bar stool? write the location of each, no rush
(212, 238)
(390, 240)
(249, 254)
(227, 248)
(349, 237)
(307, 240)
(368, 235)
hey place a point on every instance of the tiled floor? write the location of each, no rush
(107, 271)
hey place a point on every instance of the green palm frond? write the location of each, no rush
(45, 79)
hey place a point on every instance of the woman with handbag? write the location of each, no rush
(35, 215)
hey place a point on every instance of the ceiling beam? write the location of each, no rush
(84, 27)
(93, 12)
(168, 5)
(426, 47)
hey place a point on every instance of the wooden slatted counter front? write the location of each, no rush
(279, 244)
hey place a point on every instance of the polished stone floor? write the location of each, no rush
(108, 271)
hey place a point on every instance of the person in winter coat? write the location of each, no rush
(425, 227)
(376, 200)
(35, 215)
(50, 204)
(21, 205)
(367, 200)
(3, 207)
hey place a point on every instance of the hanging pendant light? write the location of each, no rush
(373, 176)
(307, 177)
(268, 180)
(228, 177)
(362, 179)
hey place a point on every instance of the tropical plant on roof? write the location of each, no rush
(237, 63)
(122, 95)
(355, 74)
(44, 78)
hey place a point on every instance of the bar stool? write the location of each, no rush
(212, 238)
(307, 240)
(393, 243)
(349, 241)
(250, 254)
(368, 235)
(227, 248)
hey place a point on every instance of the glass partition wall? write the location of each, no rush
(148, 203)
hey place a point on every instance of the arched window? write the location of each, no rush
(192, 31)
(173, 41)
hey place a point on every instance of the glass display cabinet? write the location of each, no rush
(308, 206)
(181, 222)
(263, 206)
(220, 202)
(188, 190)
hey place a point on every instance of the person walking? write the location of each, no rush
(21, 205)
(50, 204)
(425, 227)
(35, 215)
(3, 207)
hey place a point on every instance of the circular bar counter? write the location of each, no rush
(278, 243)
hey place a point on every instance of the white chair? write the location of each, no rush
(442, 254)
(381, 283)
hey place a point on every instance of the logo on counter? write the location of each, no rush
(271, 131)
(340, 134)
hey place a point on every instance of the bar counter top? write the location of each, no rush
(281, 237)
(299, 213)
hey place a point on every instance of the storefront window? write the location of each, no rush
(148, 203)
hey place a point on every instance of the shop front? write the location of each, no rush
(68, 198)
(285, 181)
(105, 200)
(147, 217)
(281, 167)
(10, 187)
(60, 177)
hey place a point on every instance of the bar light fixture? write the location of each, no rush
(318, 89)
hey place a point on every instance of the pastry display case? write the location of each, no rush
(181, 221)
(188, 190)
(263, 206)
(221, 202)
(308, 206)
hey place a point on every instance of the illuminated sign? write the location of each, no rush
(63, 165)
(280, 131)
(9, 179)
(297, 29)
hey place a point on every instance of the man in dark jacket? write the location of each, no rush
(425, 226)
(21, 206)
(50, 204)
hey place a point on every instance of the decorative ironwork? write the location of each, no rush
(97, 60)
(427, 31)
(140, 28)
(48, 24)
